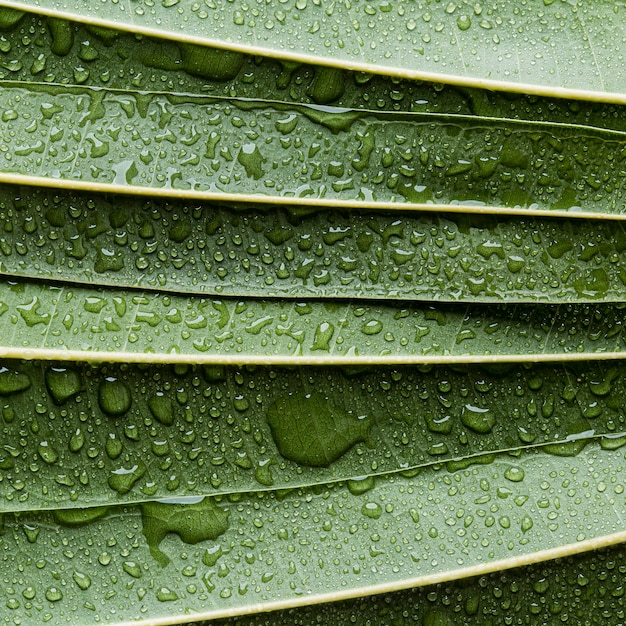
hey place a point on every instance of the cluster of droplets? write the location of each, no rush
(394, 158)
(226, 252)
(188, 431)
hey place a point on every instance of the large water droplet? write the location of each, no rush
(114, 397)
(309, 429)
(193, 523)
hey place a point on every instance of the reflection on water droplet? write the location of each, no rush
(62, 383)
(82, 580)
(114, 397)
(372, 510)
(480, 420)
(514, 474)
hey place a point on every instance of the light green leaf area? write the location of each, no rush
(257, 151)
(217, 556)
(74, 323)
(56, 51)
(583, 589)
(119, 433)
(289, 253)
(495, 45)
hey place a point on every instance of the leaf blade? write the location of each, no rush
(202, 152)
(419, 55)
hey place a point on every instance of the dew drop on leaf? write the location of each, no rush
(193, 523)
(310, 430)
(62, 383)
(114, 397)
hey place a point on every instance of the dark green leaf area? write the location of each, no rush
(309, 429)
(193, 523)
(430, 39)
(327, 154)
(179, 246)
(62, 383)
(178, 431)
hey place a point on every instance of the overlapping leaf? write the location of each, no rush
(288, 253)
(505, 45)
(225, 556)
(296, 485)
(150, 433)
(74, 323)
(585, 589)
(236, 149)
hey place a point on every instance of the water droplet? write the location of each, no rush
(79, 517)
(514, 474)
(162, 409)
(114, 397)
(47, 453)
(82, 580)
(372, 510)
(62, 383)
(123, 478)
(132, 569)
(53, 594)
(252, 160)
(193, 523)
(480, 420)
(12, 382)
(323, 334)
(310, 430)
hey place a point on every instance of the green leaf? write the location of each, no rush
(164, 431)
(586, 589)
(292, 253)
(73, 323)
(309, 444)
(275, 549)
(503, 46)
(85, 55)
(244, 150)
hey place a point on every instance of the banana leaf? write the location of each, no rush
(36, 48)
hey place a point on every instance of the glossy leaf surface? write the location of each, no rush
(187, 247)
(257, 151)
(54, 51)
(584, 589)
(503, 46)
(123, 433)
(73, 323)
(229, 554)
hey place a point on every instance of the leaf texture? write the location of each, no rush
(186, 247)
(338, 334)
(218, 557)
(503, 46)
(258, 151)
(74, 323)
(165, 431)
